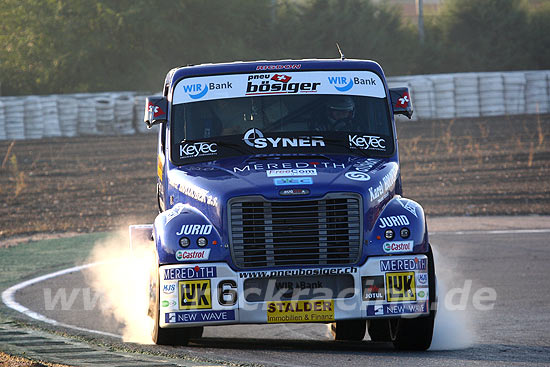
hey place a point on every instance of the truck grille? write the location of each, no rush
(289, 233)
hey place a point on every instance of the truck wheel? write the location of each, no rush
(178, 336)
(416, 333)
(349, 330)
(379, 330)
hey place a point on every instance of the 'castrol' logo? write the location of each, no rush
(183, 255)
(398, 246)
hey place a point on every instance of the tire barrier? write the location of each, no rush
(478, 94)
(87, 116)
(536, 92)
(139, 110)
(67, 109)
(51, 117)
(433, 95)
(124, 115)
(514, 93)
(466, 96)
(2, 122)
(14, 111)
(34, 124)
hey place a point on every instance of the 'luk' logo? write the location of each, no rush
(255, 138)
(277, 84)
(192, 150)
(196, 91)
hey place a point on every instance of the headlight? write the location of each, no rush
(184, 242)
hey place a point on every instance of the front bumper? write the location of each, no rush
(214, 294)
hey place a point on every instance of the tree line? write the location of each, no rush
(68, 46)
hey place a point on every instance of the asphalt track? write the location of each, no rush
(475, 262)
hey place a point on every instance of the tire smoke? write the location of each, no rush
(123, 281)
(453, 327)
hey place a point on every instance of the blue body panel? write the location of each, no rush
(206, 187)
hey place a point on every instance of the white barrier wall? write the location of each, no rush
(434, 96)
(477, 94)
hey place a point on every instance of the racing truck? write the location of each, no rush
(280, 201)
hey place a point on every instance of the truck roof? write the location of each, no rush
(270, 66)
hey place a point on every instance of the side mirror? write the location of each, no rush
(401, 101)
(155, 110)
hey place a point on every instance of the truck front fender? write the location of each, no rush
(183, 234)
(399, 229)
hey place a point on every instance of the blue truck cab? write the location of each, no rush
(280, 201)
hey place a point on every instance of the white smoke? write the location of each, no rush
(123, 280)
(453, 327)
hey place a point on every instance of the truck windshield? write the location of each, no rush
(305, 112)
(294, 113)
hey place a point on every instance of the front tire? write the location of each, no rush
(179, 336)
(416, 333)
(349, 330)
(379, 330)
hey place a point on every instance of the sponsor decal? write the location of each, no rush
(344, 84)
(298, 272)
(403, 264)
(422, 278)
(398, 246)
(366, 165)
(407, 204)
(197, 193)
(217, 86)
(294, 192)
(155, 110)
(301, 285)
(405, 308)
(388, 181)
(293, 181)
(373, 288)
(195, 294)
(195, 229)
(198, 149)
(394, 221)
(288, 165)
(376, 192)
(366, 142)
(174, 212)
(168, 303)
(403, 102)
(255, 138)
(357, 176)
(277, 84)
(422, 295)
(397, 309)
(292, 172)
(279, 67)
(169, 288)
(341, 83)
(196, 91)
(400, 286)
(199, 316)
(185, 255)
(300, 311)
(281, 78)
(196, 272)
